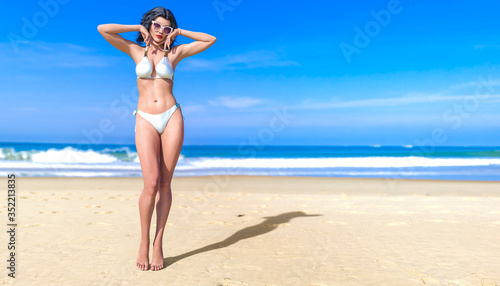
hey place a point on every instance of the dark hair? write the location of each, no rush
(151, 15)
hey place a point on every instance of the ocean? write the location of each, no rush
(395, 162)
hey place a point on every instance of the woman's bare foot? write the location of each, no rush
(157, 261)
(143, 256)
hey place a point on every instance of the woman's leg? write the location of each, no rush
(171, 145)
(147, 141)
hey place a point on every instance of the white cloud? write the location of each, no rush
(484, 83)
(234, 102)
(26, 108)
(188, 108)
(392, 101)
(247, 60)
(43, 55)
(480, 47)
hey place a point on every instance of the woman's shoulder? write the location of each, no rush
(137, 52)
(175, 49)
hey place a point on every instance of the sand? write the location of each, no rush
(252, 230)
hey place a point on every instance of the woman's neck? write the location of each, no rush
(157, 46)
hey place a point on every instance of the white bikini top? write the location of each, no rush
(163, 68)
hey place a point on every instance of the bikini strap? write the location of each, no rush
(167, 50)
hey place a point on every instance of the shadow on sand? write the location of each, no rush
(271, 223)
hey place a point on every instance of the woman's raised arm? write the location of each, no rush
(110, 33)
(202, 42)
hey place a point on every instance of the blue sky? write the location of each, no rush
(414, 72)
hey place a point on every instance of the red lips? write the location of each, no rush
(158, 36)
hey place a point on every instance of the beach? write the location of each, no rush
(260, 230)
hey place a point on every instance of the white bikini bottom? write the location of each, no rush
(159, 121)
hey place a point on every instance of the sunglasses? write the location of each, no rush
(158, 27)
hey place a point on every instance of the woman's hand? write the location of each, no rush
(145, 34)
(170, 38)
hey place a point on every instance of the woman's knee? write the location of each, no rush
(164, 183)
(151, 186)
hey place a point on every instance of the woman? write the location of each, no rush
(159, 128)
